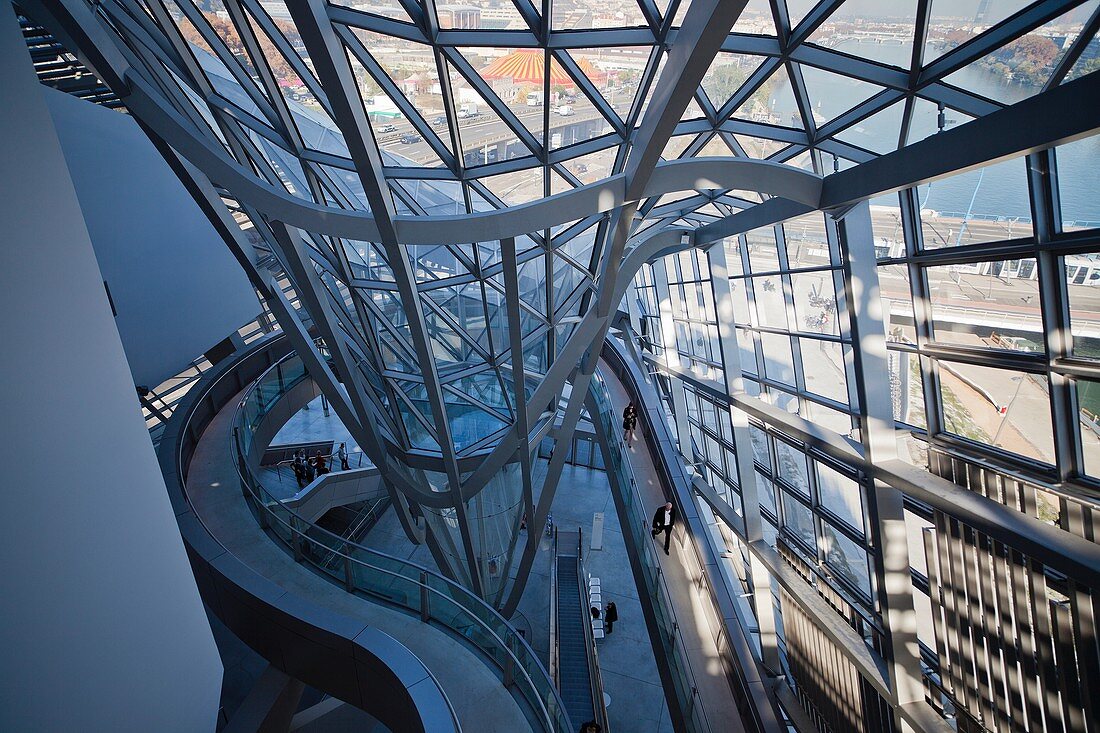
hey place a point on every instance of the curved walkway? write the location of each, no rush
(480, 700)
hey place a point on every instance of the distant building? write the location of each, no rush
(459, 17)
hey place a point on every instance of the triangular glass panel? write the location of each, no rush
(951, 23)
(676, 146)
(925, 119)
(518, 187)
(518, 78)
(758, 147)
(391, 9)
(652, 86)
(500, 16)
(1021, 68)
(594, 166)
(885, 34)
(616, 73)
(469, 423)
(585, 14)
(573, 117)
(802, 160)
(579, 248)
(401, 144)
(693, 111)
(715, 148)
(727, 74)
(878, 133)
(833, 94)
(756, 18)
(558, 184)
(366, 261)
(1085, 65)
(797, 10)
(772, 103)
(485, 136)
(532, 284)
(436, 198)
(432, 262)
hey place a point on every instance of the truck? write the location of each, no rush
(468, 109)
(534, 99)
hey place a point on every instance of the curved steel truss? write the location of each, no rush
(460, 268)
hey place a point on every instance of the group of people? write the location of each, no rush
(630, 421)
(306, 469)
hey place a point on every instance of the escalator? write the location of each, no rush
(576, 666)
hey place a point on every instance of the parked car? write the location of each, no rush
(387, 128)
(409, 138)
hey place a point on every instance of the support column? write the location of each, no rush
(887, 516)
(752, 530)
(103, 627)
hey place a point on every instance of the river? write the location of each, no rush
(1001, 191)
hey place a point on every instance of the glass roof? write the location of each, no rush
(516, 106)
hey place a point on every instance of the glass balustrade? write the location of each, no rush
(385, 578)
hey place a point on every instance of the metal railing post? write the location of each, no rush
(349, 584)
(296, 539)
(509, 663)
(425, 608)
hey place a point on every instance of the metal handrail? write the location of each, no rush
(503, 645)
(595, 677)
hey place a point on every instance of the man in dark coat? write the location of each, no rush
(663, 520)
(610, 616)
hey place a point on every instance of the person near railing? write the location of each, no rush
(300, 471)
(591, 727)
(663, 520)
(320, 464)
(343, 455)
(610, 616)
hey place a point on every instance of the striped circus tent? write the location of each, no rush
(525, 66)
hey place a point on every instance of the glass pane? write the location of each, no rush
(815, 302)
(847, 559)
(987, 304)
(823, 368)
(998, 407)
(985, 205)
(1088, 403)
(771, 306)
(798, 518)
(1082, 279)
(1078, 182)
(807, 243)
(841, 495)
(791, 466)
(778, 359)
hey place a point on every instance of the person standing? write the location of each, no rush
(299, 466)
(663, 521)
(343, 454)
(630, 421)
(610, 615)
(320, 464)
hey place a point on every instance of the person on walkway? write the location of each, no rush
(591, 727)
(610, 616)
(320, 464)
(343, 454)
(595, 613)
(630, 421)
(299, 466)
(663, 520)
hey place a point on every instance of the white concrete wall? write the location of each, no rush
(101, 625)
